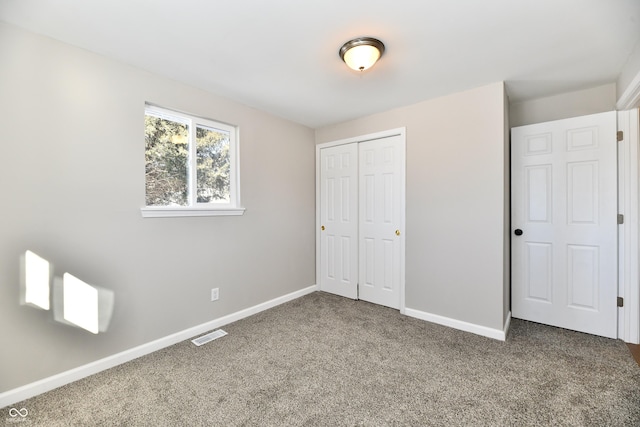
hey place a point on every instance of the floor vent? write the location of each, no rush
(209, 337)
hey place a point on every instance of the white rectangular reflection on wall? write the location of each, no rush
(36, 277)
(80, 303)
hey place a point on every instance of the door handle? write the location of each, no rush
(518, 232)
(397, 232)
(322, 228)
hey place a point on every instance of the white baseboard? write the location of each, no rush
(507, 324)
(496, 334)
(25, 392)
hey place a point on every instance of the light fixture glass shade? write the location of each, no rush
(360, 54)
(361, 57)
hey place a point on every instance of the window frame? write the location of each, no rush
(233, 207)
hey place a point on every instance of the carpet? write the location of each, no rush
(323, 360)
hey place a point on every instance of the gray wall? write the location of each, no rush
(571, 104)
(72, 184)
(457, 192)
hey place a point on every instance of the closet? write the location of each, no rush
(361, 214)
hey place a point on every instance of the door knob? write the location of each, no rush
(397, 232)
(518, 232)
(322, 228)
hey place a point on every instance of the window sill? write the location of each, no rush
(164, 212)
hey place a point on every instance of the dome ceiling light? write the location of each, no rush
(360, 54)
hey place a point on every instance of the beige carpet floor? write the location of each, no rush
(322, 360)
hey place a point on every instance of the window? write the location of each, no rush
(191, 166)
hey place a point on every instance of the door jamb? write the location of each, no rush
(368, 137)
(628, 237)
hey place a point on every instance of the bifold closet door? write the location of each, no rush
(362, 220)
(339, 220)
(381, 220)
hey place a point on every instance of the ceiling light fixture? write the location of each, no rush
(361, 53)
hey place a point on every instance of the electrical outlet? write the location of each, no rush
(215, 294)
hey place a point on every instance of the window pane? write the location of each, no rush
(166, 153)
(212, 152)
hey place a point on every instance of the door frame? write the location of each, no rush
(628, 232)
(401, 132)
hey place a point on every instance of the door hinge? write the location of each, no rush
(620, 302)
(620, 135)
(620, 219)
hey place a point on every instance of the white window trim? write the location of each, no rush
(169, 212)
(201, 209)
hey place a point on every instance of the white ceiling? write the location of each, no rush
(281, 56)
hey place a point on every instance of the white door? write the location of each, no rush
(339, 220)
(564, 223)
(381, 220)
